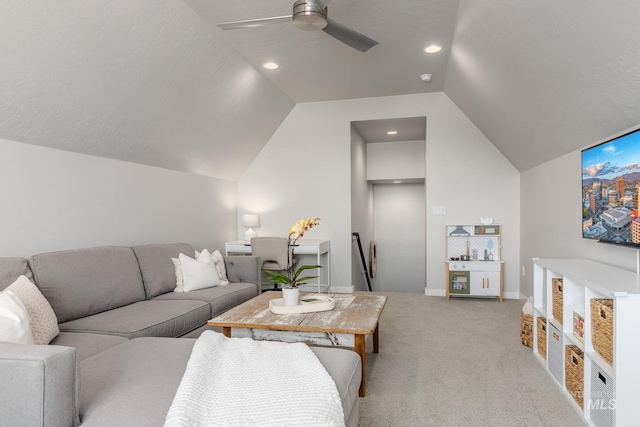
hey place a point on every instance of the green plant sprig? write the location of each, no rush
(290, 280)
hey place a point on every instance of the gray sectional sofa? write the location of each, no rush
(125, 337)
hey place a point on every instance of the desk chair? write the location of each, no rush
(273, 252)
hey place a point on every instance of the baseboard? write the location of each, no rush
(441, 293)
(512, 295)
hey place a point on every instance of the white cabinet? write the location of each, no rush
(610, 391)
(473, 266)
(486, 282)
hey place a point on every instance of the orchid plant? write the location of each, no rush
(292, 278)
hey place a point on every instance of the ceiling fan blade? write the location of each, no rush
(254, 22)
(349, 36)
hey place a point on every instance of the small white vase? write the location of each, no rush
(291, 296)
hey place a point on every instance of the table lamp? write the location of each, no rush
(250, 220)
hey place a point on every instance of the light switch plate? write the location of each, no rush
(439, 210)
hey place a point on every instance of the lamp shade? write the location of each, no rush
(250, 220)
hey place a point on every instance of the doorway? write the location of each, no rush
(399, 230)
(388, 202)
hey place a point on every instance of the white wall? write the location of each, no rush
(400, 229)
(395, 160)
(305, 170)
(55, 200)
(551, 209)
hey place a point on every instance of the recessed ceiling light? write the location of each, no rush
(433, 49)
(392, 132)
(397, 182)
(270, 65)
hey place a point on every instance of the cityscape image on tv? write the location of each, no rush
(610, 190)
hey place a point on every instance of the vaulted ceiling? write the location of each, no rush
(157, 82)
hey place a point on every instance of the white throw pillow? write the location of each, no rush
(198, 273)
(179, 277)
(14, 320)
(218, 260)
(220, 267)
(44, 323)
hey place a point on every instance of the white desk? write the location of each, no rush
(319, 248)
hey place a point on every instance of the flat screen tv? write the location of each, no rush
(610, 187)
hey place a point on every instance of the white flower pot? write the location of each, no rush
(291, 296)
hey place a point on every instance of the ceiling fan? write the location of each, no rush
(311, 15)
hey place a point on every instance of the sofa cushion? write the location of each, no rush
(87, 345)
(220, 298)
(44, 324)
(145, 319)
(158, 271)
(82, 282)
(245, 269)
(11, 269)
(133, 384)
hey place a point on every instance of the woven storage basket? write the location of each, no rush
(602, 327)
(574, 373)
(526, 329)
(542, 336)
(556, 298)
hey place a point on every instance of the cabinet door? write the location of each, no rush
(478, 283)
(492, 283)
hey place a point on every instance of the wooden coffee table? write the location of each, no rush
(354, 317)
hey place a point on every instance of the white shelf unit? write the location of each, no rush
(582, 281)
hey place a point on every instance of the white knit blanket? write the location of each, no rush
(242, 382)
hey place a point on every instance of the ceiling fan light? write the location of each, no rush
(309, 23)
(309, 16)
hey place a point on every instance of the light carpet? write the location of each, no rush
(457, 363)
